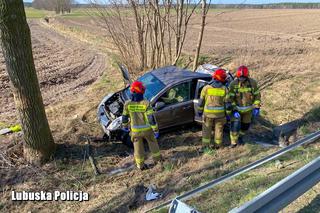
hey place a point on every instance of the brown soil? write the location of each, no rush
(64, 66)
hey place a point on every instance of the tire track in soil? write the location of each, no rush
(64, 66)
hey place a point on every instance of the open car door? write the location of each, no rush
(200, 85)
(125, 73)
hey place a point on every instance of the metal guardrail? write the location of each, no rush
(284, 192)
(308, 139)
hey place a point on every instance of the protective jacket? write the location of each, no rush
(141, 116)
(244, 96)
(212, 100)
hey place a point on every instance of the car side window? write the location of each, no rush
(199, 87)
(176, 94)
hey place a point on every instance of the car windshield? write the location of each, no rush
(153, 86)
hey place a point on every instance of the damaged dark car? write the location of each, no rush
(171, 91)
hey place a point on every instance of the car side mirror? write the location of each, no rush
(159, 105)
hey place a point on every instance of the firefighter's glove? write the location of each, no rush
(236, 114)
(228, 118)
(256, 112)
(156, 135)
(200, 114)
(126, 129)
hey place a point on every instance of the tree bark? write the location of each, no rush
(17, 50)
(203, 24)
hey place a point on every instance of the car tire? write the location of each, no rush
(126, 140)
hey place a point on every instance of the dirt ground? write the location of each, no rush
(74, 65)
(65, 67)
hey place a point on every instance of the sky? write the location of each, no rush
(238, 1)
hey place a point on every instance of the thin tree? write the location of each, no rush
(204, 11)
(146, 33)
(17, 51)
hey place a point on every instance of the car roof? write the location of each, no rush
(172, 74)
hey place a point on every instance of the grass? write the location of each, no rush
(168, 167)
(81, 12)
(248, 185)
(32, 13)
(208, 151)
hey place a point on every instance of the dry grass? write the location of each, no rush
(264, 40)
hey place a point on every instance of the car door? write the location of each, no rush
(177, 108)
(200, 84)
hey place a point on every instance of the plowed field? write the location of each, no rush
(64, 66)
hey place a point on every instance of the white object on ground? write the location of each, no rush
(152, 194)
(5, 131)
(179, 207)
(121, 170)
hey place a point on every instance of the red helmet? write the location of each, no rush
(137, 87)
(220, 75)
(242, 71)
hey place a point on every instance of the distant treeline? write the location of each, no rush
(269, 6)
(28, 4)
(225, 6)
(60, 6)
(251, 6)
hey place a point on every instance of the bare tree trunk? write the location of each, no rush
(17, 51)
(203, 24)
(139, 32)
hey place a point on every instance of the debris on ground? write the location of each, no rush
(152, 194)
(12, 129)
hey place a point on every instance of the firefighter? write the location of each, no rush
(212, 106)
(244, 97)
(139, 114)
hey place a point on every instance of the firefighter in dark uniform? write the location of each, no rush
(138, 114)
(212, 105)
(244, 97)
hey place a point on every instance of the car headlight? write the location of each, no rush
(115, 124)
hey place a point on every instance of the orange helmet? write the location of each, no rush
(242, 71)
(137, 87)
(220, 75)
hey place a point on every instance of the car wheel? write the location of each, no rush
(126, 140)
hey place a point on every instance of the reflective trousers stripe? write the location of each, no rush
(234, 137)
(244, 108)
(256, 102)
(211, 109)
(218, 141)
(139, 161)
(156, 154)
(206, 140)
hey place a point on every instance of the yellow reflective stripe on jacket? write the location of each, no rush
(140, 128)
(244, 89)
(211, 109)
(137, 108)
(216, 92)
